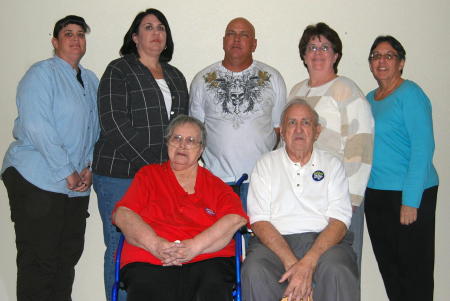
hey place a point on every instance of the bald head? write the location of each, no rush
(239, 43)
(242, 22)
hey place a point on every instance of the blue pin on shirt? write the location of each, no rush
(318, 175)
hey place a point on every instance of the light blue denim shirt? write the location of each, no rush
(57, 125)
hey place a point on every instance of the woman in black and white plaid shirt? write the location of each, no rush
(139, 94)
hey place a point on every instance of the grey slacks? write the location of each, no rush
(335, 278)
(357, 227)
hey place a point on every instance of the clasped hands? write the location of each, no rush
(299, 275)
(80, 181)
(175, 253)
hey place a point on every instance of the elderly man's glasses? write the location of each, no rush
(188, 142)
(378, 56)
(315, 49)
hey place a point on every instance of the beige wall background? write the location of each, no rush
(198, 26)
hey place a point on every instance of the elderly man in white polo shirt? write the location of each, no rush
(300, 209)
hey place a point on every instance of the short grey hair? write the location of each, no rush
(183, 119)
(299, 101)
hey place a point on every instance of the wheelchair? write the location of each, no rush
(239, 249)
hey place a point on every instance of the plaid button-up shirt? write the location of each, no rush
(133, 116)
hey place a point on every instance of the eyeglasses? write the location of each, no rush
(314, 48)
(188, 142)
(378, 56)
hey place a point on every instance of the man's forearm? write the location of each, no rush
(329, 237)
(272, 239)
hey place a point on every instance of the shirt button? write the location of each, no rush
(298, 174)
(298, 185)
(173, 96)
(172, 112)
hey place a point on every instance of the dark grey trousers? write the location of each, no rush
(335, 278)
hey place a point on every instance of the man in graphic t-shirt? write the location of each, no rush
(240, 101)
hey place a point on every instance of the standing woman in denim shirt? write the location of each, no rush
(139, 94)
(46, 171)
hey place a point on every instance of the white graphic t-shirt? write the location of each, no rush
(240, 111)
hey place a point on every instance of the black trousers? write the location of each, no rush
(49, 238)
(405, 254)
(207, 280)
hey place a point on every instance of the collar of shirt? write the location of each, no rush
(297, 172)
(66, 65)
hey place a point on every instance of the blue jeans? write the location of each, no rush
(109, 191)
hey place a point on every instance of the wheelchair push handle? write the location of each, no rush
(241, 180)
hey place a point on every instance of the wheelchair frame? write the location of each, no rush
(237, 291)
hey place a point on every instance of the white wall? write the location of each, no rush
(197, 26)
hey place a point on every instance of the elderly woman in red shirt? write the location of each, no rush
(178, 220)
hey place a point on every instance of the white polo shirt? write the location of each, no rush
(299, 199)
